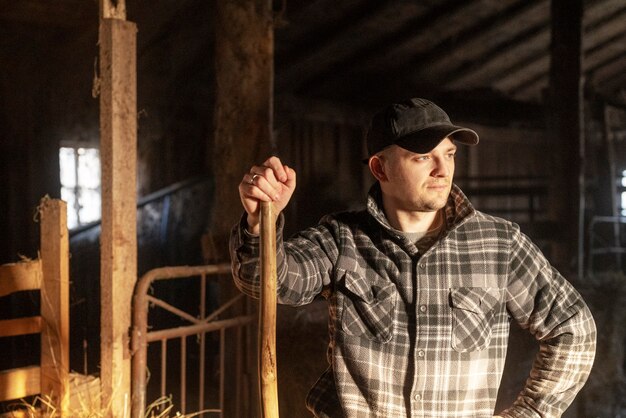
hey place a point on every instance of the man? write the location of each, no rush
(421, 287)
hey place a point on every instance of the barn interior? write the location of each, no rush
(221, 85)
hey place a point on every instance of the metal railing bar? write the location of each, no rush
(166, 191)
(198, 328)
(170, 308)
(141, 337)
(178, 272)
(163, 366)
(238, 371)
(178, 312)
(201, 374)
(143, 201)
(202, 296)
(183, 374)
(202, 343)
(222, 308)
(222, 368)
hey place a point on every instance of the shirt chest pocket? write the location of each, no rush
(367, 307)
(473, 315)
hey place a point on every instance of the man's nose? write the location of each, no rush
(440, 169)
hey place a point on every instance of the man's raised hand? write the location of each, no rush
(271, 181)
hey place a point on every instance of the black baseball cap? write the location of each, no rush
(417, 125)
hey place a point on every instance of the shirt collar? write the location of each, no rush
(458, 207)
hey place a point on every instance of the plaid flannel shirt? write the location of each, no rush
(425, 335)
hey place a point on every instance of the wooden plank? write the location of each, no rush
(118, 240)
(16, 277)
(18, 383)
(20, 326)
(55, 304)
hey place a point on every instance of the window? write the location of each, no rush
(80, 184)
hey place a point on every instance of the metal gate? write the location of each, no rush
(203, 324)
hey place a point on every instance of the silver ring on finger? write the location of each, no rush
(254, 176)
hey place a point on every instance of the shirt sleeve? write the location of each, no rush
(304, 263)
(546, 304)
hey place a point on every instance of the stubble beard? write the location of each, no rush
(434, 203)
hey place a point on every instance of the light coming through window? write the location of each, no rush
(80, 184)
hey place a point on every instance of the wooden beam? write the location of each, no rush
(478, 46)
(531, 75)
(603, 54)
(532, 89)
(521, 51)
(19, 383)
(566, 126)
(611, 75)
(118, 240)
(20, 326)
(318, 44)
(527, 71)
(470, 41)
(511, 51)
(55, 304)
(244, 57)
(331, 58)
(16, 277)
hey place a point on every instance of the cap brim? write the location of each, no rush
(425, 140)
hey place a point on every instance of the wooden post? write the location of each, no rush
(113, 9)
(566, 127)
(55, 304)
(17, 277)
(244, 54)
(118, 239)
(267, 314)
(244, 72)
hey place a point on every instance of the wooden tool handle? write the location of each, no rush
(267, 315)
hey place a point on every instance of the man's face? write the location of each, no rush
(418, 182)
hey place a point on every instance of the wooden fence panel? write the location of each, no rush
(50, 275)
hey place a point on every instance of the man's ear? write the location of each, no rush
(377, 168)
